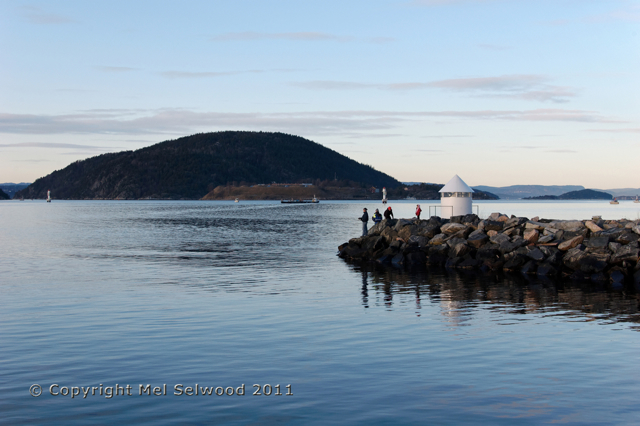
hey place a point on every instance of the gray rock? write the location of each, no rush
(499, 239)
(452, 228)
(418, 240)
(535, 253)
(455, 241)
(601, 241)
(401, 223)
(567, 224)
(488, 254)
(429, 231)
(508, 247)
(459, 250)
(614, 247)
(477, 240)
(625, 253)
(572, 258)
(545, 239)
(529, 268)
(492, 225)
(536, 225)
(438, 239)
(515, 263)
(627, 237)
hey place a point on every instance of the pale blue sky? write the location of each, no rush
(501, 92)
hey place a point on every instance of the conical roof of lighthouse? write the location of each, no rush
(456, 185)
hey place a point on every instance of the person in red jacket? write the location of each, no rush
(418, 211)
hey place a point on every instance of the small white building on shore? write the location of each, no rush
(455, 198)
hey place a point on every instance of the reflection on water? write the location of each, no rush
(459, 294)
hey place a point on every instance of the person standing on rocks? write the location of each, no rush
(388, 213)
(377, 217)
(365, 219)
(418, 211)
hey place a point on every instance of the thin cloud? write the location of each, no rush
(635, 130)
(630, 13)
(36, 15)
(447, 136)
(203, 74)
(293, 36)
(517, 86)
(182, 121)
(115, 69)
(562, 151)
(51, 146)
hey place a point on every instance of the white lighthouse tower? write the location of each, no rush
(455, 198)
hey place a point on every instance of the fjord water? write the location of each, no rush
(221, 294)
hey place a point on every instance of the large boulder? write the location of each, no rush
(493, 225)
(601, 241)
(531, 236)
(459, 250)
(572, 258)
(625, 253)
(477, 240)
(389, 234)
(567, 224)
(536, 225)
(438, 239)
(406, 232)
(568, 245)
(627, 237)
(452, 228)
(535, 254)
(592, 226)
(499, 239)
(429, 231)
(401, 223)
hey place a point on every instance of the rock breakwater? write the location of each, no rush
(598, 250)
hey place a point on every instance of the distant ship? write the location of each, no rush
(614, 201)
(636, 200)
(48, 196)
(237, 200)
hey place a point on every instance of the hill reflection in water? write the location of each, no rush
(460, 295)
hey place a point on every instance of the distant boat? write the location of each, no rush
(614, 201)
(636, 200)
(48, 196)
(237, 200)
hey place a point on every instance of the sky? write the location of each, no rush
(500, 92)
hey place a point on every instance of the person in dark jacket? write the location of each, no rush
(388, 213)
(377, 217)
(365, 219)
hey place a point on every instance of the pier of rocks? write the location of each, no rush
(598, 250)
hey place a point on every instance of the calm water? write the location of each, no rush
(221, 294)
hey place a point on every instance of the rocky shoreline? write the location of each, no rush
(597, 250)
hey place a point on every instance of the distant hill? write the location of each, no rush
(622, 193)
(11, 188)
(192, 166)
(523, 191)
(4, 196)
(585, 194)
